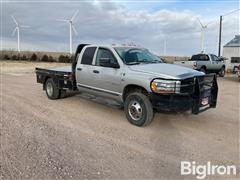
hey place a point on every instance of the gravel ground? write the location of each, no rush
(83, 137)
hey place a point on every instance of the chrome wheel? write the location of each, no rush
(49, 89)
(135, 110)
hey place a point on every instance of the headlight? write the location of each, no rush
(165, 86)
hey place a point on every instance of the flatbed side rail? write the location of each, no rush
(62, 79)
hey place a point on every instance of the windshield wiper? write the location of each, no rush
(133, 63)
(143, 61)
(155, 61)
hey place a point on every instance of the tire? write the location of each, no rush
(222, 72)
(138, 109)
(203, 70)
(63, 93)
(51, 89)
(235, 70)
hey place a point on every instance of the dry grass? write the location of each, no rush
(9, 67)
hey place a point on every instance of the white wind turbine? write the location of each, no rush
(17, 29)
(203, 27)
(71, 28)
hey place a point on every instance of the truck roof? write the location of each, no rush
(113, 46)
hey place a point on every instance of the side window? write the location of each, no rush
(88, 54)
(214, 58)
(105, 54)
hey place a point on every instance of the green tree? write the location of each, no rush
(34, 57)
(14, 57)
(51, 59)
(24, 57)
(44, 58)
(6, 57)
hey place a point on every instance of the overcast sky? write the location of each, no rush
(146, 23)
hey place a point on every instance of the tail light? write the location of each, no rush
(72, 76)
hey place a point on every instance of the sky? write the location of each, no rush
(147, 23)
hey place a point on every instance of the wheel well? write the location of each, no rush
(130, 88)
(203, 67)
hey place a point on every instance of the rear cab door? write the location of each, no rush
(84, 67)
(216, 64)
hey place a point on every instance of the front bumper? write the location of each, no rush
(194, 92)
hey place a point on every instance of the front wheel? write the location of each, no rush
(222, 72)
(138, 109)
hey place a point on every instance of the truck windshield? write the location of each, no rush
(131, 56)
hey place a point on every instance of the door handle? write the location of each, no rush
(96, 71)
(79, 69)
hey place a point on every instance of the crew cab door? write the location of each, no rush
(216, 64)
(106, 78)
(84, 76)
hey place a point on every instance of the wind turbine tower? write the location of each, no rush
(17, 29)
(71, 29)
(203, 28)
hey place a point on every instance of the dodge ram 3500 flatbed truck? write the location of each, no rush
(135, 78)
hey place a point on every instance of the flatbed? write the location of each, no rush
(62, 77)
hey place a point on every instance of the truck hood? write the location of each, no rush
(163, 70)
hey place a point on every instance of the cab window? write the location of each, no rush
(105, 54)
(88, 54)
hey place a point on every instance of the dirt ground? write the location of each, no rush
(85, 137)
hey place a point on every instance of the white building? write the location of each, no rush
(231, 51)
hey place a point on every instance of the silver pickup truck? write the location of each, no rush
(207, 63)
(133, 77)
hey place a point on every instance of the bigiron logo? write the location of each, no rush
(202, 171)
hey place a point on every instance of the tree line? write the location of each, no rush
(35, 57)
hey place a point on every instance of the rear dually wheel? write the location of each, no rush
(51, 89)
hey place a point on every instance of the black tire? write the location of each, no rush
(54, 93)
(202, 69)
(63, 93)
(137, 98)
(222, 72)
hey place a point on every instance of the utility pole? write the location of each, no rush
(220, 29)
(220, 37)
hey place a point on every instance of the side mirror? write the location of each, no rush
(107, 62)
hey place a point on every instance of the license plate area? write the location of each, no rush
(205, 101)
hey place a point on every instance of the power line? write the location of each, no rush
(231, 12)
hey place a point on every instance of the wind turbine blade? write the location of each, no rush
(63, 20)
(200, 22)
(210, 23)
(23, 26)
(14, 20)
(14, 31)
(74, 15)
(74, 30)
